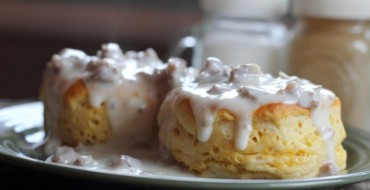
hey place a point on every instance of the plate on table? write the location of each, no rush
(21, 132)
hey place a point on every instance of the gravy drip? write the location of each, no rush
(132, 85)
(242, 90)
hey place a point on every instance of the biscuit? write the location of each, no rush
(284, 140)
(110, 98)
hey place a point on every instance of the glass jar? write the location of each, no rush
(331, 47)
(241, 31)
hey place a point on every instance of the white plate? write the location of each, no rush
(21, 131)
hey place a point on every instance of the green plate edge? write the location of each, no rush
(357, 145)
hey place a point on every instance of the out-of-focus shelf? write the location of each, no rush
(84, 20)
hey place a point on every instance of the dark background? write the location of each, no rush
(31, 31)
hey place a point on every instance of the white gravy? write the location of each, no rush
(125, 81)
(132, 84)
(242, 90)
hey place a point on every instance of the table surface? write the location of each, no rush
(12, 176)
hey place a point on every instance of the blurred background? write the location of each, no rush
(327, 42)
(31, 31)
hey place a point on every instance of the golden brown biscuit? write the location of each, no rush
(284, 144)
(237, 122)
(79, 122)
(110, 98)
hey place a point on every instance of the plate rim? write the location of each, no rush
(184, 182)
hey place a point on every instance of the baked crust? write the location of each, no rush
(283, 144)
(78, 121)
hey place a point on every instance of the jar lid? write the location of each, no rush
(246, 8)
(334, 9)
